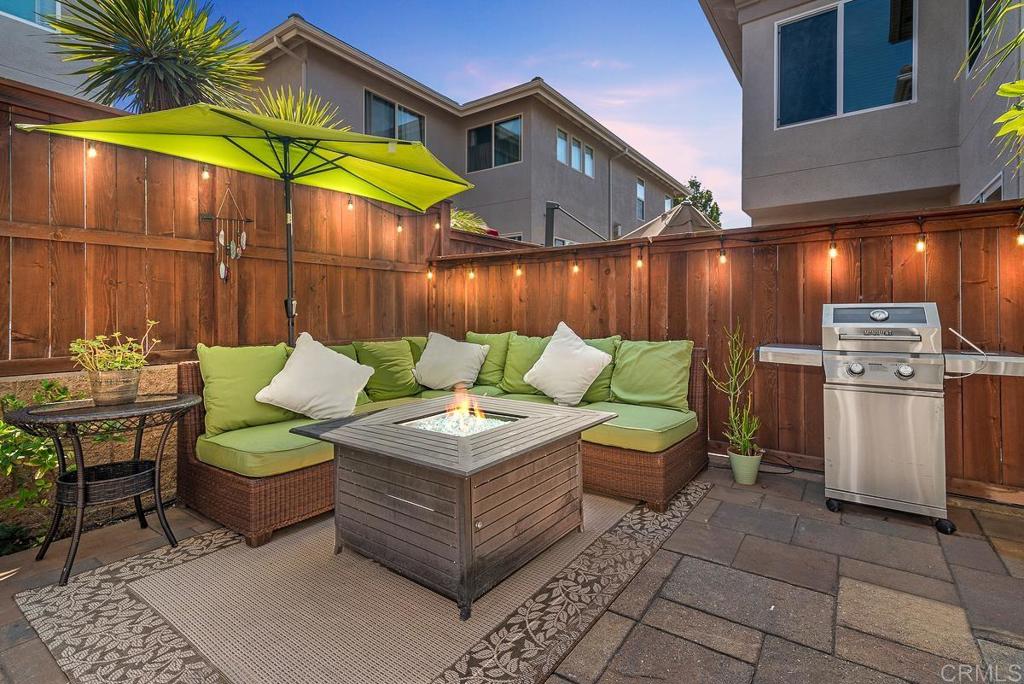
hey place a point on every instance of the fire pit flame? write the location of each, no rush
(462, 417)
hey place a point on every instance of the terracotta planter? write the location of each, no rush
(744, 468)
(110, 388)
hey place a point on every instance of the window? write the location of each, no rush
(33, 11)
(577, 155)
(668, 202)
(514, 236)
(851, 57)
(588, 160)
(386, 119)
(993, 192)
(494, 144)
(641, 193)
(562, 242)
(562, 147)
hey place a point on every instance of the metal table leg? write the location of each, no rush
(76, 537)
(156, 485)
(137, 455)
(58, 509)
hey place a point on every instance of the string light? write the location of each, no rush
(575, 265)
(437, 225)
(399, 227)
(351, 206)
(722, 258)
(519, 270)
(472, 273)
(920, 244)
(1020, 237)
(91, 151)
(833, 252)
(639, 262)
(205, 175)
(430, 274)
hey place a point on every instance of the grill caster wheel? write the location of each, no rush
(945, 526)
(833, 505)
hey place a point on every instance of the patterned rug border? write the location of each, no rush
(136, 644)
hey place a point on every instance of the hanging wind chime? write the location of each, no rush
(229, 233)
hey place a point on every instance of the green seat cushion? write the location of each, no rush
(535, 398)
(601, 388)
(263, 450)
(652, 373)
(523, 352)
(416, 345)
(641, 428)
(478, 390)
(392, 369)
(231, 378)
(493, 368)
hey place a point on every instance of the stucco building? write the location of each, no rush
(854, 106)
(521, 147)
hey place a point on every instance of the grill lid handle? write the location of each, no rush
(876, 338)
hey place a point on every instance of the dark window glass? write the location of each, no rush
(30, 10)
(975, 15)
(479, 148)
(507, 141)
(641, 198)
(410, 125)
(807, 68)
(380, 116)
(878, 53)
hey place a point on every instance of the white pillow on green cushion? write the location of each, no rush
(317, 382)
(567, 367)
(446, 363)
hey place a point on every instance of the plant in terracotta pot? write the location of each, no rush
(741, 425)
(114, 363)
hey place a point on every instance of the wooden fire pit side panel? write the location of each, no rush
(404, 516)
(522, 506)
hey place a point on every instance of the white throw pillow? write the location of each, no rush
(446, 363)
(316, 382)
(567, 368)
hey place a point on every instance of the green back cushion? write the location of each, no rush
(652, 373)
(392, 369)
(523, 352)
(231, 378)
(493, 369)
(601, 388)
(416, 345)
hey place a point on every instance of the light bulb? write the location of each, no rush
(639, 263)
(399, 227)
(920, 245)
(575, 268)
(721, 256)
(832, 251)
(519, 271)
(472, 274)
(1020, 238)
(91, 151)
(205, 173)
(351, 206)
(430, 275)
(437, 225)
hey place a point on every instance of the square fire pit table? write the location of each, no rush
(458, 514)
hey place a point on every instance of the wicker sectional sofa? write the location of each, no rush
(260, 479)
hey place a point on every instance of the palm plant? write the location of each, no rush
(303, 106)
(468, 221)
(149, 55)
(994, 42)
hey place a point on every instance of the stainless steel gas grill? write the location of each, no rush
(884, 413)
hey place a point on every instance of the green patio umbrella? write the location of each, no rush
(399, 172)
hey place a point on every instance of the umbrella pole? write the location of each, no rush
(289, 303)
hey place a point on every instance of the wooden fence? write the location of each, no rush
(773, 283)
(90, 245)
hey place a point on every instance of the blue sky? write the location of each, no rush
(652, 72)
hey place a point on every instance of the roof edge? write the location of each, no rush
(718, 24)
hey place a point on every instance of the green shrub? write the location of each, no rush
(28, 460)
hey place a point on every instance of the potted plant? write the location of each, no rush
(741, 425)
(114, 363)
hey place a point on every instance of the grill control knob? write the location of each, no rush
(904, 370)
(856, 369)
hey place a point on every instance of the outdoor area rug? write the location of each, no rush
(214, 610)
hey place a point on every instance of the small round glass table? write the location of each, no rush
(82, 485)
